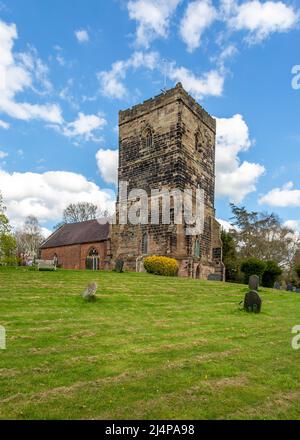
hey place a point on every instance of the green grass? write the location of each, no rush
(150, 347)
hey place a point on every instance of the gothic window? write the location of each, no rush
(173, 242)
(197, 250)
(199, 141)
(145, 243)
(147, 138)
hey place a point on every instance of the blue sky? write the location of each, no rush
(66, 68)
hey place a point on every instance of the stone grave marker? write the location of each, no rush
(119, 266)
(90, 292)
(254, 282)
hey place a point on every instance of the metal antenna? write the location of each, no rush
(165, 64)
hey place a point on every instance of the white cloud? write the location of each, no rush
(293, 224)
(111, 81)
(198, 16)
(234, 179)
(226, 225)
(261, 19)
(209, 84)
(283, 197)
(4, 125)
(82, 36)
(3, 154)
(84, 126)
(107, 161)
(46, 195)
(153, 18)
(18, 73)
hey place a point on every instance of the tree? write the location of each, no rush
(80, 212)
(30, 238)
(271, 273)
(297, 270)
(229, 256)
(253, 266)
(262, 236)
(7, 241)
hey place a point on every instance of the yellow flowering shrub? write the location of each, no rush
(161, 265)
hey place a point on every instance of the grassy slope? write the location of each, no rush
(150, 347)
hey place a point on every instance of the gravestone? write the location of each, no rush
(214, 277)
(119, 266)
(277, 285)
(254, 282)
(289, 287)
(252, 302)
(90, 292)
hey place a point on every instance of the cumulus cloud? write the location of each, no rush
(46, 195)
(199, 15)
(152, 17)
(4, 125)
(294, 225)
(18, 72)
(286, 196)
(84, 127)
(233, 178)
(260, 19)
(226, 225)
(107, 161)
(82, 36)
(209, 84)
(112, 81)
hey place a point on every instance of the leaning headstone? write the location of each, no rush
(289, 287)
(90, 292)
(254, 282)
(119, 266)
(277, 285)
(252, 302)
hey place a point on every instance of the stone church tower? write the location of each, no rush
(168, 142)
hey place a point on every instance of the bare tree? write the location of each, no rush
(80, 212)
(30, 237)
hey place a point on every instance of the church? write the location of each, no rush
(165, 143)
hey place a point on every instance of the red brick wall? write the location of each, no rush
(73, 257)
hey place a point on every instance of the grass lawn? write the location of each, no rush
(150, 347)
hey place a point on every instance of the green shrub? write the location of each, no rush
(271, 273)
(161, 265)
(252, 266)
(297, 270)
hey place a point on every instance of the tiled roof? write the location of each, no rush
(74, 233)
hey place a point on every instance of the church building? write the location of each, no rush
(165, 143)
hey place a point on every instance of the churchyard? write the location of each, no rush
(149, 347)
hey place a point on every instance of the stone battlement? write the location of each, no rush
(176, 93)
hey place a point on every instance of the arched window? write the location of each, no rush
(93, 252)
(145, 243)
(147, 138)
(197, 249)
(197, 141)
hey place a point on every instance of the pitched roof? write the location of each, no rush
(75, 233)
